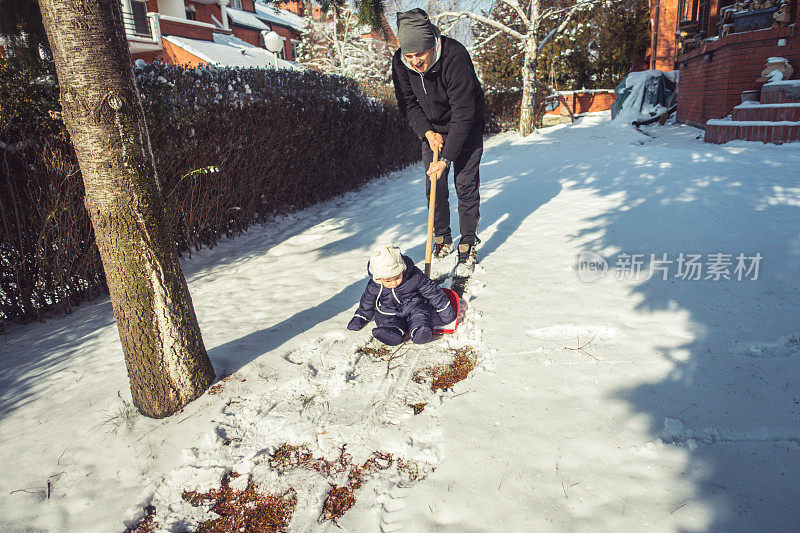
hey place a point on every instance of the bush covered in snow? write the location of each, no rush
(232, 147)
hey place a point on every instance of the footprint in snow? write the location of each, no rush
(786, 346)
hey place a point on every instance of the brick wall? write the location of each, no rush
(714, 76)
(148, 57)
(176, 55)
(246, 34)
(203, 12)
(584, 102)
(662, 38)
(287, 44)
(294, 6)
(172, 54)
(186, 30)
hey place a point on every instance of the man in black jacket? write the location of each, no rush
(440, 96)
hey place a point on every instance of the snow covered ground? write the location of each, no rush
(615, 401)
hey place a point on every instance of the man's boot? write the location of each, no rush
(442, 246)
(467, 252)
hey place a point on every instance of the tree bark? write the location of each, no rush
(526, 116)
(167, 362)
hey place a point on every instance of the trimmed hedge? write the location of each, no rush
(232, 148)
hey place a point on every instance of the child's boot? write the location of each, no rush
(421, 335)
(390, 336)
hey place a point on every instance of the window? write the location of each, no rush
(139, 12)
(295, 44)
(236, 4)
(191, 13)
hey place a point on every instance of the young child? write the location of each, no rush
(401, 299)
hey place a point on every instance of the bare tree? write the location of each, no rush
(335, 45)
(531, 17)
(167, 362)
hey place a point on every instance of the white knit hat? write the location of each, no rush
(386, 262)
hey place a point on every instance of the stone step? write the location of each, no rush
(781, 92)
(767, 112)
(722, 131)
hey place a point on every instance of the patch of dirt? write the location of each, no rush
(443, 377)
(341, 497)
(217, 387)
(338, 502)
(377, 353)
(289, 457)
(417, 407)
(145, 525)
(412, 471)
(244, 510)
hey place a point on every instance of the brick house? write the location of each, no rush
(217, 32)
(663, 24)
(721, 48)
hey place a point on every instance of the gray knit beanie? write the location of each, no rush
(415, 31)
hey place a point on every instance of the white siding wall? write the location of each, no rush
(172, 8)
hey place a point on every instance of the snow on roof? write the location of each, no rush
(246, 19)
(280, 16)
(229, 51)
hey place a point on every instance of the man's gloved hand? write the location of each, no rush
(356, 323)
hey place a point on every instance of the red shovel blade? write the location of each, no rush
(456, 303)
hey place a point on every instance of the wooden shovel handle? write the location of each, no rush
(431, 206)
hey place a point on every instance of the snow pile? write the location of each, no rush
(777, 69)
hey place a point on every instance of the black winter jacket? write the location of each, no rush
(416, 289)
(447, 98)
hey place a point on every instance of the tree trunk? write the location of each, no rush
(167, 363)
(338, 43)
(526, 116)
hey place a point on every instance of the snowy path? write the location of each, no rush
(680, 413)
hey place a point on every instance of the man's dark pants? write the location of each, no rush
(467, 181)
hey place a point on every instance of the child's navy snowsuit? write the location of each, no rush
(417, 305)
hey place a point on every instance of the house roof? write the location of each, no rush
(246, 19)
(282, 17)
(229, 51)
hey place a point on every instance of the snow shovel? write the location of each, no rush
(455, 301)
(431, 207)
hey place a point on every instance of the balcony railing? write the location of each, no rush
(137, 25)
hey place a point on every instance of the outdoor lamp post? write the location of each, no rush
(273, 42)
